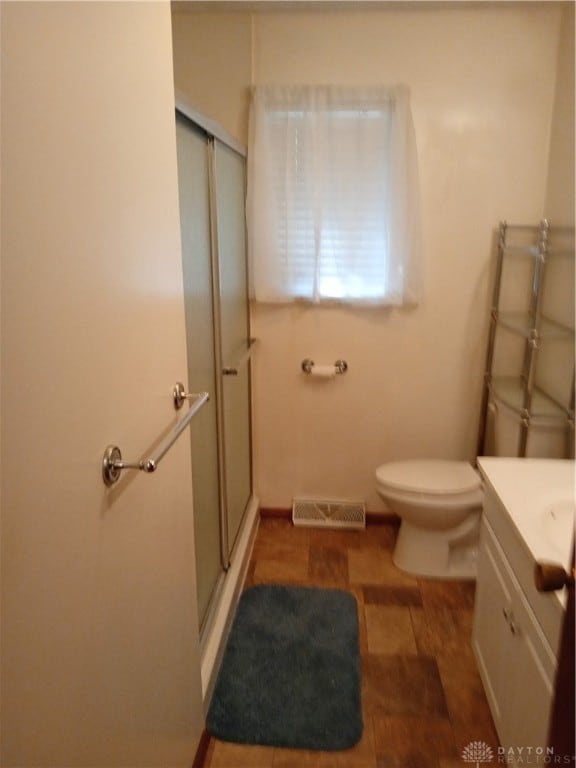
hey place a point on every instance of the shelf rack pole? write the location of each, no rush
(570, 425)
(491, 339)
(533, 340)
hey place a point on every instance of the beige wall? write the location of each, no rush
(483, 93)
(555, 365)
(482, 83)
(559, 206)
(100, 657)
(213, 64)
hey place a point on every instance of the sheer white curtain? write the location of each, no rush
(333, 211)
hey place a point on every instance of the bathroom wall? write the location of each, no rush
(555, 364)
(213, 64)
(482, 82)
(559, 205)
(483, 90)
(100, 656)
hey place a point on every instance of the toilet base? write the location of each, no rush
(433, 554)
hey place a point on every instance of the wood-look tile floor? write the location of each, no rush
(422, 697)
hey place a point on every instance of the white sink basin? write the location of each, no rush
(538, 495)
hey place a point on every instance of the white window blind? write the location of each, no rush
(333, 210)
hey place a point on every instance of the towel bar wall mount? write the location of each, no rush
(179, 395)
(112, 462)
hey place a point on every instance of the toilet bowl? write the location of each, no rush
(439, 504)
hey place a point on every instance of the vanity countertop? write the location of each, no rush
(539, 496)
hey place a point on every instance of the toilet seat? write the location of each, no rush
(429, 477)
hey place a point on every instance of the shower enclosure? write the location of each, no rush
(211, 179)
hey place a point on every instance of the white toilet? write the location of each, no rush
(439, 503)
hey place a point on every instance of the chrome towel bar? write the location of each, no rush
(113, 464)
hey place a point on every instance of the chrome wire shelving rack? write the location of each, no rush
(524, 309)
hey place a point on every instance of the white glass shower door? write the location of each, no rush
(193, 175)
(230, 176)
(212, 183)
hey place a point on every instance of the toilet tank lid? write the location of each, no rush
(429, 476)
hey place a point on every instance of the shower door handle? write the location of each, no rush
(234, 370)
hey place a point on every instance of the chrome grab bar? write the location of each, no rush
(233, 370)
(113, 464)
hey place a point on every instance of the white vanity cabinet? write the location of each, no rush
(517, 629)
(516, 663)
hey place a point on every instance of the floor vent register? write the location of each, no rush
(321, 513)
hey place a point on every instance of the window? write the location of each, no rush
(333, 209)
